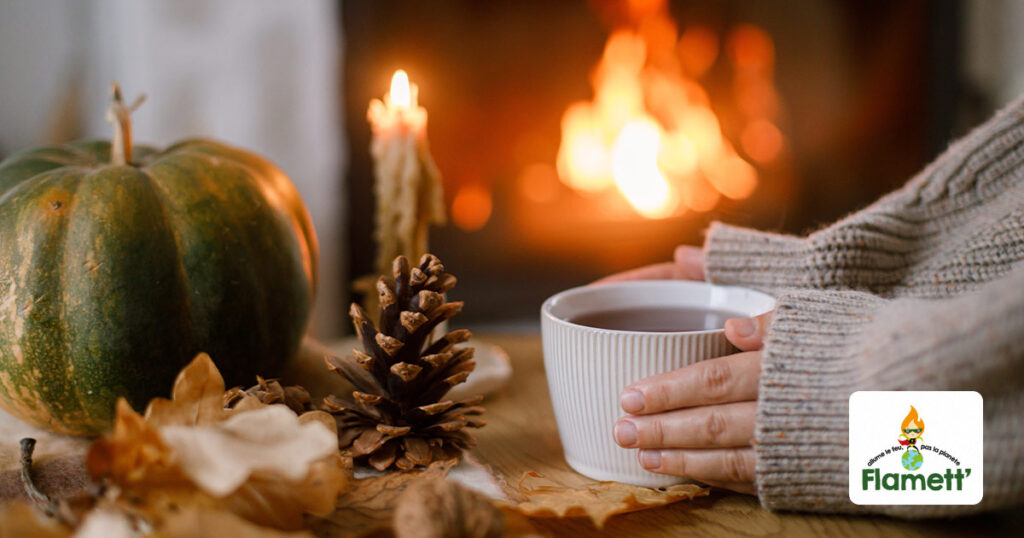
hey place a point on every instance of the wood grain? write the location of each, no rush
(521, 436)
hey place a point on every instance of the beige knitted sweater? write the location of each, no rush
(923, 290)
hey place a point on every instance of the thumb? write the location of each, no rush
(690, 261)
(748, 333)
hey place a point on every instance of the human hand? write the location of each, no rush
(688, 264)
(698, 421)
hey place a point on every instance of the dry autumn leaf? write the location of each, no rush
(134, 455)
(197, 397)
(598, 501)
(268, 501)
(369, 504)
(220, 457)
(258, 462)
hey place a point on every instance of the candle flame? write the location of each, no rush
(401, 93)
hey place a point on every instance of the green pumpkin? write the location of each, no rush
(113, 276)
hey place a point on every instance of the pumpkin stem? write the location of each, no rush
(52, 508)
(121, 117)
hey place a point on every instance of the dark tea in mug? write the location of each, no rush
(656, 319)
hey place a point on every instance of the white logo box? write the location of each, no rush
(950, 467)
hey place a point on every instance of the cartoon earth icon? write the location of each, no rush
(912, 460)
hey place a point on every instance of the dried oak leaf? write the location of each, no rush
(598, 501)
(370, 503)
(267, 500)
(134, 455)
(220, 457)
(197, 397)
(260, 462)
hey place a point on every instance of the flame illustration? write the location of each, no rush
(912, 417)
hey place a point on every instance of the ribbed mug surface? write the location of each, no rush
(587, 368)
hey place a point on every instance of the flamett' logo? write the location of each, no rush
(944, 469)
(913, 427)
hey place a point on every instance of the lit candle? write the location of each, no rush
(407, 182)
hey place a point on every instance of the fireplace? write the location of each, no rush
(579, 139)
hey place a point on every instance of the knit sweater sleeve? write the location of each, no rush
(948, 228)
(824, 345)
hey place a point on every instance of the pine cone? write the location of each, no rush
(270, 391)
(396, 416)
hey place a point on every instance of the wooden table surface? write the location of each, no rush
(521, 436)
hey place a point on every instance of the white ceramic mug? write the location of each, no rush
(587, 368)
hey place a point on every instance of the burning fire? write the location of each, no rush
(649, 130)
(635, 169)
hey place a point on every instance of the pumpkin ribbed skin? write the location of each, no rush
(113, 277)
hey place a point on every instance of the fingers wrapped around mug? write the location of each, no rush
(723, 380)
(731, 468)
(714, 426)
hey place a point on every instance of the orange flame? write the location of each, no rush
(698, 49)
(636, 172)
(649, 130)
(403, 93)
(538, 183)
(471, 207)
(761, 140)
(912, 417)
